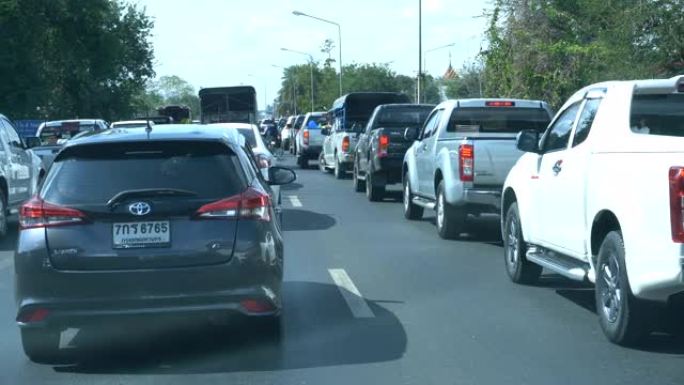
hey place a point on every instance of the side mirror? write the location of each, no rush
(528, 141)
(325, 131)
(32, 141)
(411, 134)
(278, 176)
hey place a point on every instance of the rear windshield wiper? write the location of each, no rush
(149, 192)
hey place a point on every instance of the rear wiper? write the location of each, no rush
(149, 192)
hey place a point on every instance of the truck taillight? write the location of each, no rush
(466, 164)
(38, 213)
(383, 145)
(345, 144)
(676, 178)
(305, 135)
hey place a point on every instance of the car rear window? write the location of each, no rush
(93, 174)
(315, 122)
(51, 133)
(403, 116)
(248, 133)
(498, 119)
(658, 114)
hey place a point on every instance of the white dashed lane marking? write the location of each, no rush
(294, 201)
(351, 294)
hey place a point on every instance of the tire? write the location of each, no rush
(42, 346)
(374, 192)
(624, 319)
(339, 174)
(519, 269)
(321, 164)
(450, 220)
(411, 210)
(302, 161)
(3, 215)
(359, 185)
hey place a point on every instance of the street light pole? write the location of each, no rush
(310, 70)
(339, 37)
(420, 50)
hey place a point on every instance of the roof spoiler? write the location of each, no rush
(660, 86)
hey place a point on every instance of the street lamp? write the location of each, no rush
(310, 68)
(339, 37)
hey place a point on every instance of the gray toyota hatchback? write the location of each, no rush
(131, 222)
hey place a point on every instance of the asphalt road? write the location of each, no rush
(370, 298)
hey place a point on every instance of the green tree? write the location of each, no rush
(73, 58)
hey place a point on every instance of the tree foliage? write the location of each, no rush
(72, 58)
(549, 48)
(166, 90)
(296, 85)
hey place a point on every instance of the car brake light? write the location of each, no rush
(305, 135)
(499, 103)
(466, 164)
(251, 204)
(37, 213)
(383, 145)
(345, 144)
(676, 178)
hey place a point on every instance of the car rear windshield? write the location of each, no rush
(403, 117)
(93, 174)
(248, 133)
(51, 133)
(315, 122)
(658, 114)
(498, 119)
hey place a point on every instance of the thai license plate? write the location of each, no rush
(141, 234)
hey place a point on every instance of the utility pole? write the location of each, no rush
(420, 50)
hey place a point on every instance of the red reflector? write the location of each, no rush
(499, 103)
(345, 144)
(466, 164)
(33, 315)
(257, 306)
(676, 179)
(38, 213)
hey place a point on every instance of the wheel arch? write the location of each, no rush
(604, 222)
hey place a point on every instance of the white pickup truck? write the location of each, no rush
(600, 197)
(460, 158)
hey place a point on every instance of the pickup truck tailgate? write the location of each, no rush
(494, 158)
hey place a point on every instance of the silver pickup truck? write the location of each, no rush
(460, 158)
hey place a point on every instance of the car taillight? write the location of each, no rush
(38, 213)
(345, 144)
(466, 164)
(33, 315)
(383, 145)
(305, 135)
(251, 204)
(263, 161)
(676, 178)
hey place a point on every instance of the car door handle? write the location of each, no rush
(557, 167)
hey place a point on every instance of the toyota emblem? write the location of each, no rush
(139, 208)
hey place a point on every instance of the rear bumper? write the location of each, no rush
(390, 169)
(480, 199)
(63, 313)
(311, 151)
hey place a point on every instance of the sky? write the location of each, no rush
(213, 43)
